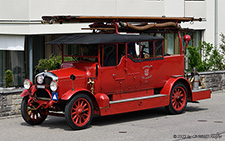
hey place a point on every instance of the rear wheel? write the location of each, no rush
(178, 99)
(30, 114)
(79, 111)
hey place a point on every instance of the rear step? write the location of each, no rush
(138, 98)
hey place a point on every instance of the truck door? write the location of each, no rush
(152, 72)
(120, 75)
(132, 67)
(113, 68)
(108, 63)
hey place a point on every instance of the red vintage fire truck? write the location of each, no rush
(113, 73)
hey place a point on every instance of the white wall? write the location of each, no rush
(174, 8)
(221, 26)
(195, 9)
(33, 10)
(30, 10)
(14, 9)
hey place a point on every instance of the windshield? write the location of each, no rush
(80, 53)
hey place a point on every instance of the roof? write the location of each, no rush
(92, 38)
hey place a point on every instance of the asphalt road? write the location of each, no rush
(201, 121)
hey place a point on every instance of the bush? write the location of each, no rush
(48, 64)
(194, 58)
(210, 59)
(53, 63)
(8, 78)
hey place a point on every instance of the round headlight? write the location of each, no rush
(53, 86)
(40, 79)
(27, 83)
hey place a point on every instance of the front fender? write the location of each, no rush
(27, 92)
(170, 83)
(70, 93)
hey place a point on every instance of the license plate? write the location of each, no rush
(41, 86)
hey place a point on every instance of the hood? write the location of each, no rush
(66, 72)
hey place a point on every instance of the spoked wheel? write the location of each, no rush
(79, 111)
(178, 99)
(30, 114)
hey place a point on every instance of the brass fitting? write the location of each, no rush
(91, 82)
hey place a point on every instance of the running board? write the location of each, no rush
(138, 98)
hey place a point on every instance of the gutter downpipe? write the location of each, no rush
(31, 58)
(216, 24)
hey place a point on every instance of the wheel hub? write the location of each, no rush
(80, 111)
(177, 96)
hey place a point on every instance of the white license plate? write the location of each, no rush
(41, 86)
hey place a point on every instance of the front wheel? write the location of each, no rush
(79, 111)
(178, 99)
(30, 114)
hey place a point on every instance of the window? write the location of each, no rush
(112, 54)
(197, 38)
(158, 48)
(121, 52)
(146, 50)
(151, 49)
(81, 52)
(109, 55)
(133, 50)
(13, 60)
(71, 49)
(170, 38)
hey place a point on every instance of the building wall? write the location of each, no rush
(221, 20)
(24, 16)
(28, 13)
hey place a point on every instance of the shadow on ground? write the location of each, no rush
(53, 122)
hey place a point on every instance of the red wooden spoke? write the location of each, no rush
(178, 98)
(35, 115)
(81, 112)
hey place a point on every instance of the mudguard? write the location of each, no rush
(102, 100)
(27, 92)
(70, 93)
(170, 83)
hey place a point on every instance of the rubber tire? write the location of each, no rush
(25, 115)
(68, 111)
(170, 109)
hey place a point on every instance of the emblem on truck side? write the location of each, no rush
(146, 70)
